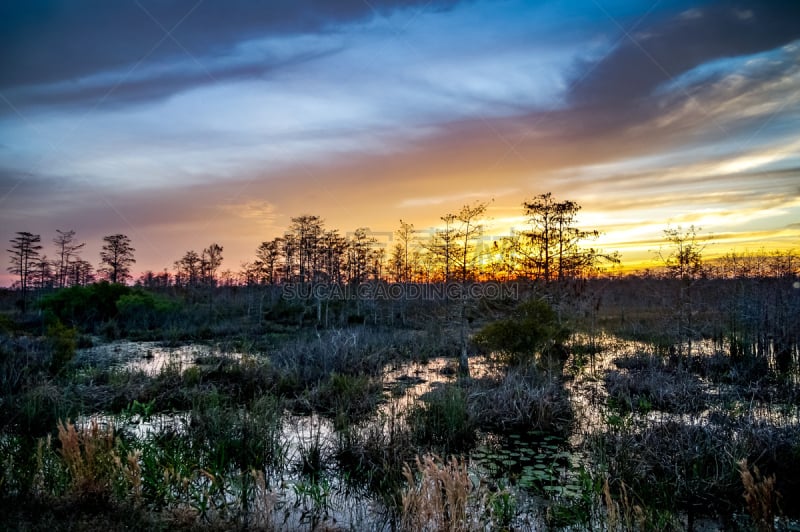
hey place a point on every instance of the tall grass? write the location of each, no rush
(760, 496)
(524, 397)
(437, 496)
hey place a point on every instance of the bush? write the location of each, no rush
(85, 307)
(143, 311)
(532, 328)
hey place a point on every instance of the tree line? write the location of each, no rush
(34, 270)
(551, 248)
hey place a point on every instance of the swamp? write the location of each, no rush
(632, 403)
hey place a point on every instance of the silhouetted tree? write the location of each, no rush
(360, 245)
(24, 252)
(210, 261)
(683, 257)
(333, 248)
(42, 273)
(471, 231)
(66, 251)
(307, 230)
(116, 258)
(683, 260)
(267, 259)
(444, 244)
(396, 266)
(188, 269)
(80, 273)
(405, 237)
(554, 238)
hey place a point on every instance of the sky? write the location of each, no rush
(182, 123)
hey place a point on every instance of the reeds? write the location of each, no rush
(437, 496)
(96, 470)
(760, 495)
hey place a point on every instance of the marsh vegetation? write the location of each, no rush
(588, 404)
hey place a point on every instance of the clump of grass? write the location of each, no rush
(92, 458)
(621, 513)
(355, 351)
(441, 418)
(522, 398)
(348, 397)
(655, 388)
(372, 455)
(672, 465)
(437, 496)
(760, 496)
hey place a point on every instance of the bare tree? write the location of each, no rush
(470, 232)
(210, 261)
(555, 252)
(405, 237)
(66, 251)
(24, 251)
(116, 258)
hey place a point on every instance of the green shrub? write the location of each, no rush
(85, 307)
(532, 328)
(143, 311)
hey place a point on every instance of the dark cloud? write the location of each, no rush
(671, 45)
(122, 90)
(48, 41)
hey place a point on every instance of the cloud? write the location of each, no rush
(45, 41)
(661, 50)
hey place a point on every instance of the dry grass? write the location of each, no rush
(658, 388)
(760, 495)
(91, 456)
(622, 514)
(436, 499)
(523, 397)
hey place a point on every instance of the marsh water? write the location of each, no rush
(539, 467)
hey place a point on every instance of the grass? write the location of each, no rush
(441, 419)
(437, 496)
(760, 495)
(522, 397)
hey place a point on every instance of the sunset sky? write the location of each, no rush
(182, 123)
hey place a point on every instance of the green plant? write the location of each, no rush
(502, 507)
(442, 418)
(92, 458)
(523, 397)
(314, 496)
(533, 328)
